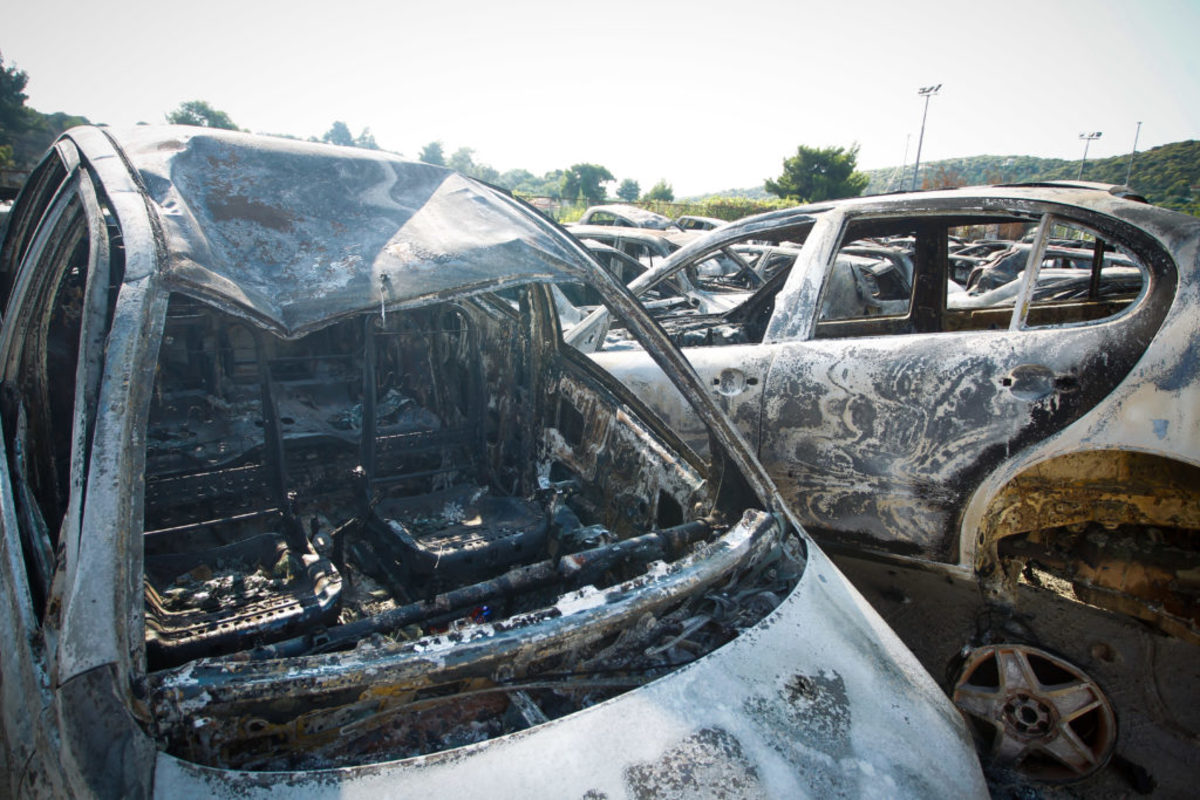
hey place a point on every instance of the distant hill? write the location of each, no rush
(752, 193)
(1167, 176)
(972, 171)
(28, 146)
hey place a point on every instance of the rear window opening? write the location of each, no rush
(930, 274)
(344, 502)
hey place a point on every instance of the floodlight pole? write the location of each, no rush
(1088, 138)
(1129, 169)
(926, 92)
(903, 164)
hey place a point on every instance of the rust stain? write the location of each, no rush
(238, 207)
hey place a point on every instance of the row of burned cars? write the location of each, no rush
(326, 473)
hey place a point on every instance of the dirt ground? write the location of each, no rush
(1152, 681)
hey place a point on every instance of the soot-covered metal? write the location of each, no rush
(398, 485)
(331, 507)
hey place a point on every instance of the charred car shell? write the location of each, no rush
(330, 510)
(885, 465)
(1040, 433)
(627, 216)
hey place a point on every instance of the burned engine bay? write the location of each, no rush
(416, 529)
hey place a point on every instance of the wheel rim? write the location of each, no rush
(1037, 714)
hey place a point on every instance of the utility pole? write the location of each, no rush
(1129, 170)
(903, 164)
(926, 92)
(1088, 138)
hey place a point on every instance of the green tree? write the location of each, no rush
(549, 185)
(463, 160)
(816, 174)
(24, 132)
(432, 154)
(485, 172)
(661, 191)
(199, 112)
(339, 133)
(629, 190)
(516, 180)
(366, 140)
(14, 116)
(585, 181)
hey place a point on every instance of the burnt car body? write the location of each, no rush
(718, 283)
(647, 246)
(626, 216)
(1004, 266)
(303, 494)
(691, 222)
(1047, 429)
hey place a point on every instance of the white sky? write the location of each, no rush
(708, 95)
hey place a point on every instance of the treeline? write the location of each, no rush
(1168, 175)
(27, 144)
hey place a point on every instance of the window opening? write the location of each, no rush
(871, 278)
(1080, 277)
(39, 400)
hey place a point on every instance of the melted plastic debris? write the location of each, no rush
(228, 584)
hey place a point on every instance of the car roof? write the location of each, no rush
(634, 213)
(369, 227)
(662, 242)
(1119, 201)
(712, 220)
(1104, 198)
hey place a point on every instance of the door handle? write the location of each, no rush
(732, 382)
(1032, 382)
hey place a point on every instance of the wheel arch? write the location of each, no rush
(1121, 526)
(1109, 486)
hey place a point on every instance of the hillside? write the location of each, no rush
(29, 145)
(1167, 176)
(40, 131)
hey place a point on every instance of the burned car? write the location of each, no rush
(647, 247)
(626, 216)
(1046, 430)
(1004, 266)
(719, 282)
(303, 493)
(691, 222)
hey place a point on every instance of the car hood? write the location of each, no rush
(802, 704)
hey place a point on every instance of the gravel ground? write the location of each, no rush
(1152, 681)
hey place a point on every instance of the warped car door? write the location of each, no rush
(884, 417)
(735, 375)
(57, 270)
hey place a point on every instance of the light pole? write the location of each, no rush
(1087, 140)
(903, 164)
(926, 92)
(1129, 170)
